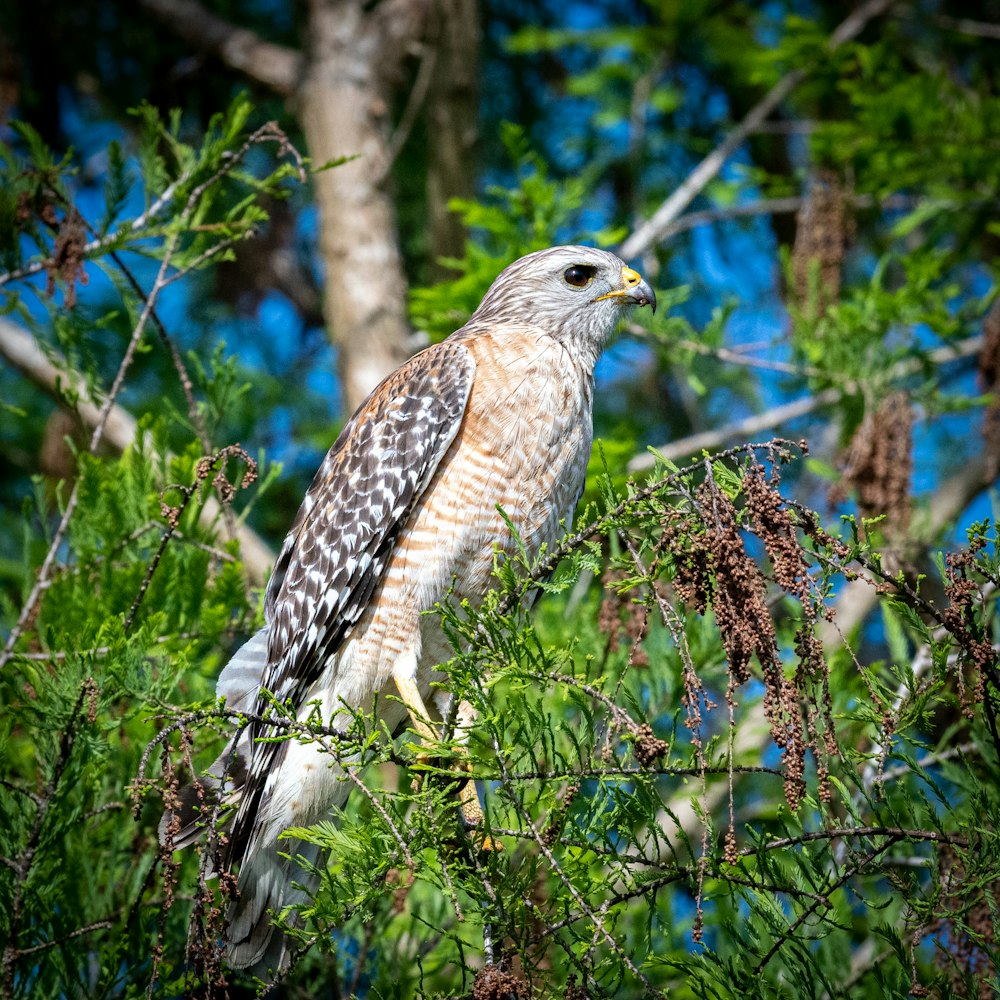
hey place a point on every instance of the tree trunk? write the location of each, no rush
(351, 59)
(452, 115)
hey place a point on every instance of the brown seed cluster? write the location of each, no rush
(217, 463)
(711, 568)
(692, 579)
(492, 983)
(774, 525)
(824, 232)
(878, 464)
(813, 671)
(648, 748)
(747, 630)
(977, 653)
(36, 204)
(736, 587)
(68, 257)
(621, 618)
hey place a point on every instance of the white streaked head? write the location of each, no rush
(575, 294)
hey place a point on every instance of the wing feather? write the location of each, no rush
(343, 536)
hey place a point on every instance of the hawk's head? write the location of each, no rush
(575, 294)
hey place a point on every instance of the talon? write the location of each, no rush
(472, 814)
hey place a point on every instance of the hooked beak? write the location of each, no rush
(635, 291)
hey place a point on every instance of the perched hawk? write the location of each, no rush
(403, 509)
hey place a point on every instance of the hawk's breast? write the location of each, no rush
(523, 447)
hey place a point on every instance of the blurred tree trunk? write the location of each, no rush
(452, 118)
(341, 86)
(353, 57)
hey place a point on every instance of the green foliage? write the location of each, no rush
(702, 785)
(128, 595)
(604, 765)
(511, 222)
(81, 701)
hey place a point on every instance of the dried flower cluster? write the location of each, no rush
(204, 468)
(711, 568)
(977, 655)
(492, 983)
(824, 231)
(648, 748)
(772, 522)
(68, 256)
(620, 619)
(878, 464)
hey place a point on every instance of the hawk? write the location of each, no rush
(403, 513)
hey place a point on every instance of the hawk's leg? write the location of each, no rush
(420, 715)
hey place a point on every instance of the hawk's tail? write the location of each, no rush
(184, 822)
(297, 788)
(266, 883)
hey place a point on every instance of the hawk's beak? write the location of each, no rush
(635, 290)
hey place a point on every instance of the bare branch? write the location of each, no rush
(651, 231)
(965, 26)
(275, 66)
(754, 425)
(51, 372)
(98, 925)
(414, 105)
(748, 427)
(768, 206)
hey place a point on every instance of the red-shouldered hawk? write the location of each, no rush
(404, 510)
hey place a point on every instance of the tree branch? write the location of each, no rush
(751, 426)
(747, 428)
(770, 206)
(853, 605)
(52, 374)
(276, 66)
(652, 230)
(965, 26)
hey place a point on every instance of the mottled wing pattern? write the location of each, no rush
(342, 539)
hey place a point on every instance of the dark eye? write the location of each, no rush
(579, 275)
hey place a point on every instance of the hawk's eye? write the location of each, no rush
(579, 275)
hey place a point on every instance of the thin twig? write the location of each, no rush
(45, 570)
(97, 925)
(966, 26)
(650, 232)
(770, 206)
(786, 412)
(22, 866)
(415, 101)
(824, 901)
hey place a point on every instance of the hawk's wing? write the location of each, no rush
(340, 543)
(343, 536)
